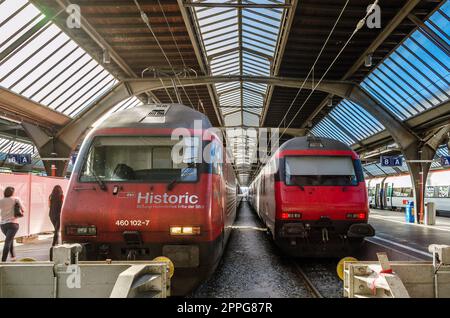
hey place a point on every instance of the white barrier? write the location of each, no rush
(34, 192)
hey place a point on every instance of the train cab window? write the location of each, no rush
(162, 158)
(139, 159)
(320, 171)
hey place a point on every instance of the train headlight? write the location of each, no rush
(77, 230)
(185, 230)
(356, 216)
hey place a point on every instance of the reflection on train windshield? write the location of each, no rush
(320, 171)
(141, 159)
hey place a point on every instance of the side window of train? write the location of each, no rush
(430, 192)
(397, 192)
(443, 191)
(216, 158)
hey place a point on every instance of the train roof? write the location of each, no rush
(157, 116)
(313, 143)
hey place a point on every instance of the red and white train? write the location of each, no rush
(312, 197)
(128, 198)
(394, 192)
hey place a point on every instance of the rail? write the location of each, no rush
(308, 283)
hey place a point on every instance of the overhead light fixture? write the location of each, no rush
(368, 60)
(106, 57)
(330, 101)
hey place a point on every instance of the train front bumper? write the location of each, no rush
(341, 229)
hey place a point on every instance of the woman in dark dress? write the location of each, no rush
(55, 203)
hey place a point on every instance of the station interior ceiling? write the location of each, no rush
(52, 73)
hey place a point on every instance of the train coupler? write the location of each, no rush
(325, 237)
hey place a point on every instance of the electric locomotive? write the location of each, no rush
(312, 197)
(138, 192)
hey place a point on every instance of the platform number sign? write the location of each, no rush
(19, 159)
(445, 161)
(391, 161)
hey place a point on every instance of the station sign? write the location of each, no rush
(19, 159)
(391, 161)
(445, 160)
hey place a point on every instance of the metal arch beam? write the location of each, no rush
(399, 131)
(339, 88)
(71, 133)
(26, 110)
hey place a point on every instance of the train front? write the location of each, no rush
(129, 199)
(323, 207)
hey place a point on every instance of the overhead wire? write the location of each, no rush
(358, 27)
(178, 48)
(311, 70)
(146, 20)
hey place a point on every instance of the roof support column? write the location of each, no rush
(61, 144)
(417, 154)
(48, 146)
(419, 158)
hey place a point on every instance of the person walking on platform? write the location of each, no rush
(11, 208)
(55, 203)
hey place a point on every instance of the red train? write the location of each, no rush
(312, 197)
(129, 197)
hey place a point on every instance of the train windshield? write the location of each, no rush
(141, 159)
(321, 171)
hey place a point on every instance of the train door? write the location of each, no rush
(378, 195)
(385, 199)
(380, 192)
(389, 190)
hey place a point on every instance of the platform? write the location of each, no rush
(413, 239)
(38, 248)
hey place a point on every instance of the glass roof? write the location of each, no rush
(240, 40)
(413, 78)
(45, 65)
(10, 146)
(344, 123)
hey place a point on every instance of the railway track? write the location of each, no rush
(308, 283)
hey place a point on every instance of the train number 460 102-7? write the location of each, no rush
(132, 222)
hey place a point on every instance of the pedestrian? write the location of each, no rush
(9, 224)
(55, 203)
